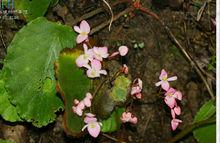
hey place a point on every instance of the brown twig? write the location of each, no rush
(112, 138)
(103, 25)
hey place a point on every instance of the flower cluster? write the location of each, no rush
(171, 96)
(137, 88)
(94, 56)
(92, 125)
(92, 60)
(79, 106)
(128, 117)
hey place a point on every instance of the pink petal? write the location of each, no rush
(178, 95)
(140, 83)
(138, 95)
(84, 26)
(163, 74)
(76, 101)
(87, 102)
(133, 120)
(89, 95)
(90, 54)
(158, 83)
(170, 101)
(173, 114)
(89, 119)
(103, 72)
(92, 73)
(81, 105)
(103, 52)
(123, 50)
(80, 38)
(90, 115)
(175, 123)
(172, 78)
(77, 29)
(165, 85)
(96, 65)
(177, 110)
(135, 90)
(94, 129)
(78, 111)
(81, 61)
(170, 92)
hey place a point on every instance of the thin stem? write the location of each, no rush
(190, 128)
(112, 138)
(112, 15)
(104, 24)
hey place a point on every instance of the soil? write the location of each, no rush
(197, 37)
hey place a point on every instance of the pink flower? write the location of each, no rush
(77, 110)
(92, 125)
(100, 53)
(95, 69)
(124, 69)
(127, 117)
(170, 97)
(79, 106)
(83, 31)
(175, 111)
(83, 60)
(137, 88)
(175, 123)
(164, 80)
(123, 50)
(87, 100)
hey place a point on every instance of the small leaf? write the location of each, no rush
(7, 110)
(120, 89)
(72, 84)
(141, 45)
(106, 99)
(113, 123)
(29, 66)
(34, 8)
(206, 133)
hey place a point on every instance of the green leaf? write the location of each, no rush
(120, 89)
(72, 84)
(206, 133)
(5, 141)
(106, 99)
(113, 123)
(34, 8)
(30, 80)
(7, 110)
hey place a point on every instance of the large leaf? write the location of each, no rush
(72, 84)
(107, 97)
(34, 8)
(7, 110)
(30, 80)
(113, 123)
(206, 133)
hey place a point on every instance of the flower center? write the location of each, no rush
(164, 78)
(92, 125)
(83, 33)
